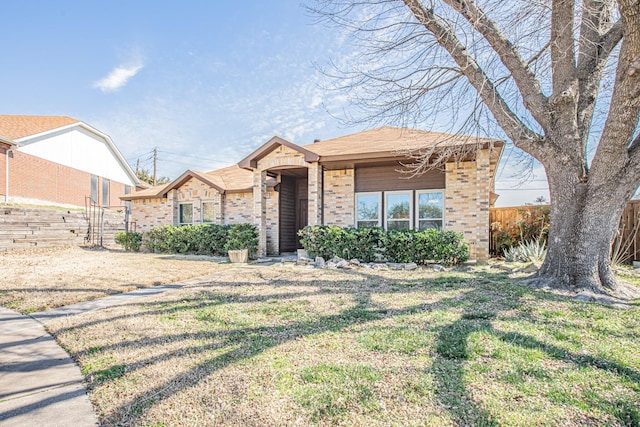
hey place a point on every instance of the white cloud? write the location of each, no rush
(117, 78)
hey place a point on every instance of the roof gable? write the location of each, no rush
(251, 161)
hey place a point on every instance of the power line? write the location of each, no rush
(193, 157)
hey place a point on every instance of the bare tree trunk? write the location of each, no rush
(584, 223)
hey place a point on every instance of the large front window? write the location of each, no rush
(430, 209)
(401, 210)
(367, 210)
(398, 209)
(185, 213)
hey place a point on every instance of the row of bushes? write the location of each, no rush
(210, 239)
(371, 244)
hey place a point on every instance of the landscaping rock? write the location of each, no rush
(342, 263)
(395, 266)
(355, 261)
(437, 267)
(330, 264)
(410, 266)
(320, 262)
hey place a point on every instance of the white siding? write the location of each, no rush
(79, 149)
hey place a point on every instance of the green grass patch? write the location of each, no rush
(328, 391)
(399, 340)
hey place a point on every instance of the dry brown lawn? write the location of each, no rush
(38, 280)
(287, 346)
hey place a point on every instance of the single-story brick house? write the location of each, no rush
(60, 160)
(354, 180)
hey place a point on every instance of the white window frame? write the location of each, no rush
(180, 211)
(386, 205)
(417, 207)
(368, 193)
(106, 190)
(202, 221)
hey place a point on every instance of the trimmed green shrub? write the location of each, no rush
(242, 236)
(329, 241)
(200, 239)
(129, 240)
(368, 244)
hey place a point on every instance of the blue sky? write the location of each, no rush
(205, 82)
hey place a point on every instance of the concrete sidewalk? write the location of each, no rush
(40, 385)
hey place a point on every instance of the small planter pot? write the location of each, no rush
(239, 255)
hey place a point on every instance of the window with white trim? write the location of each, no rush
(429, 210)
(398, 215)
(208, 216)
(368, 210)
(94, 188)
(105, 192)
(185, 213)
(401, 210)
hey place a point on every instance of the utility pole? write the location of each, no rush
(155, 160)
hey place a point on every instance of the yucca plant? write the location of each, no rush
(531, 251)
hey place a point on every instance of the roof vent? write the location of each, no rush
(316, 140)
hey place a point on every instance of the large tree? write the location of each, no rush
(560, 78)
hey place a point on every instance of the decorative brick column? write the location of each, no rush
(260, 209)
(315, 194)
(467, 203)
(483, 187)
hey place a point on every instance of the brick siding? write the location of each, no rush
(467, 203)
(36, 180)
(339, 197)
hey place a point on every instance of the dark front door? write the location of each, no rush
(293, 211)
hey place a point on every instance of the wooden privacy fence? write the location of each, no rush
(509, 218)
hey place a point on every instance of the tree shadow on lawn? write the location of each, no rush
(450, 353)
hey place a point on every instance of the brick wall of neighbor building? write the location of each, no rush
(149, 213)
(339, 197)
(467, 203)
(36, 180)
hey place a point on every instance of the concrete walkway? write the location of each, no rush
(40, 385)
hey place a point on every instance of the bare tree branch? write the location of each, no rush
(624, 111)
(562, 47)
(529, 86)
(519, 133)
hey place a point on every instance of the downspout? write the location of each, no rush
(9, 153)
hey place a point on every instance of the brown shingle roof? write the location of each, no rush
(16, 127)
(232, 178)
(388, 139)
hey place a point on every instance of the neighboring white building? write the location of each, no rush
(61, 160)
